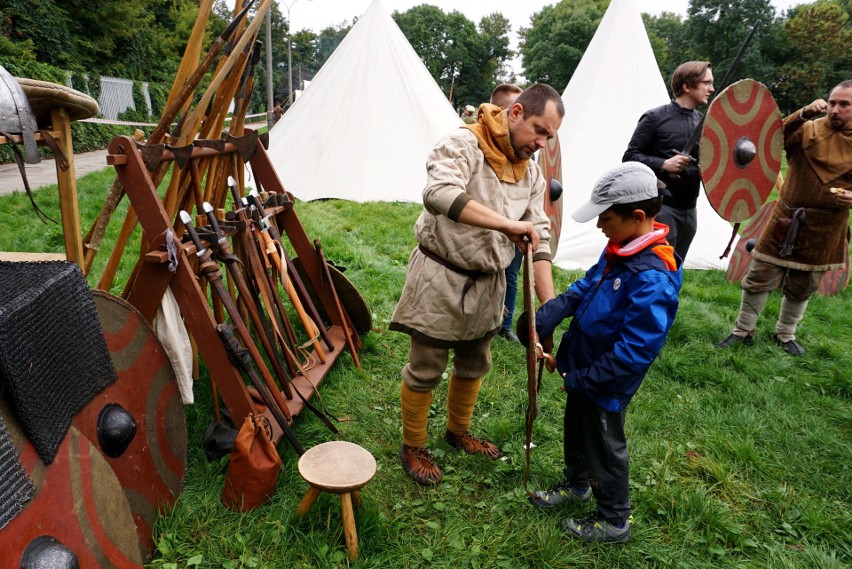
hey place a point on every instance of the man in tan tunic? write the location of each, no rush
(808, 233)
(483, 196)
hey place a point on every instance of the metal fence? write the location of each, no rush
(117, 95)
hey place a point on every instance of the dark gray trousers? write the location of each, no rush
(596, 455)
(683, 223)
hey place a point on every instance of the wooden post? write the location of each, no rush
(67, 180)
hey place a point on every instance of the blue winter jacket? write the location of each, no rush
(620, 322)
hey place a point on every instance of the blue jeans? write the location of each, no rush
(512, 288)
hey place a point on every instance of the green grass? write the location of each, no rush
(739, 458)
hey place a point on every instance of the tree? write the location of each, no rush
(45, 25)
(464, 60)
(716, 29)
(551, 48)
(422, 27)
(666, 35)
(820, 36)
(494, 31)
(327, 41)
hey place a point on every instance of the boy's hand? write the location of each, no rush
(547, 344)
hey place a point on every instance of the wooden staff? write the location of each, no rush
(259, 265)
(242, 362)
(298, 285)
(174, 104)
(272, 250)
(345, 323)
(188, 133)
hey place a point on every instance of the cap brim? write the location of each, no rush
(588, 211)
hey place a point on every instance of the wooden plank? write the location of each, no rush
(15, 256)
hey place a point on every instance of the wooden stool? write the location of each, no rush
(338, 467)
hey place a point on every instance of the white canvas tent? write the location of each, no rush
(616, 81)
(364, 128)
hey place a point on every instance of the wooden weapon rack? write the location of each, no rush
(154, 275)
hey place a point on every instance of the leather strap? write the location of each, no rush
(785, 248)
(58, 155)
(19, 160)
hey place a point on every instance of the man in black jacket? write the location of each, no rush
(660, 136)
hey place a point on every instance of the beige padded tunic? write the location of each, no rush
(430, 308)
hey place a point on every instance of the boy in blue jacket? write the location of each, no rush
(622, 311)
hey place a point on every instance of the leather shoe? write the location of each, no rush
(509, 335)
(790, 346)
(472, 445)
(420, 465)
(733, 340)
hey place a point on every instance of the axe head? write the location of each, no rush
(246, 145)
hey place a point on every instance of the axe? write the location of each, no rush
(249, 298)
(208, 269)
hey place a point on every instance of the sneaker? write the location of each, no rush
(593, 528)
(509, 335)
(733, 340)
(792, 347)
(562, 493)
(472, 445)
(419, 465)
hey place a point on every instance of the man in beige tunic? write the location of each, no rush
(483, 196)
(808, 233)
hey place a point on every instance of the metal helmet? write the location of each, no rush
(16, 115)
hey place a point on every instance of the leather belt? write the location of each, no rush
(472, 276)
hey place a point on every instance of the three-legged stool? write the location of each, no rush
(338, 467)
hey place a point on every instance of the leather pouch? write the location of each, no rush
(253, 469)
(781, 228)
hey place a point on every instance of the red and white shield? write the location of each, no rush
(741, 146)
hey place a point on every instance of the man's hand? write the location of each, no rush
(677, 163)
(522, 234)
(818, 107)
(842, 197)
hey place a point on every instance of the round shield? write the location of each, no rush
(550, 160)
(741, 145)
(138, 422)
(45, 96)
(79, 515)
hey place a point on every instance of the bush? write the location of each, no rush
(32, 69)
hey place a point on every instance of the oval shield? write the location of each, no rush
(832, 281)
(741, 145)
(550, 160)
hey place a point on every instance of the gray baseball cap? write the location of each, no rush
(628, 182)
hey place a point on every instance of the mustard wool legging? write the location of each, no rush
(461, 399)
